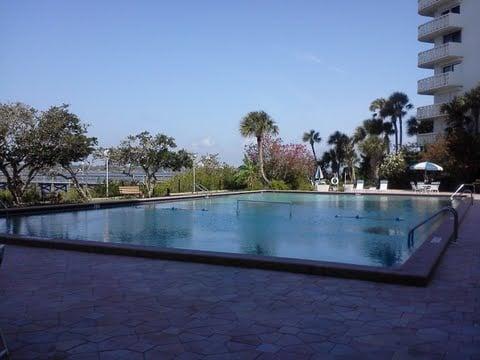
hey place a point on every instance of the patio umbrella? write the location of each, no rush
(426, 166)
(318, 174)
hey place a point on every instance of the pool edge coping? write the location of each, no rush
(417, 270)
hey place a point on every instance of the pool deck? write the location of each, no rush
(57, 304)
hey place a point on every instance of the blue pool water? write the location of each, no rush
(321, 227)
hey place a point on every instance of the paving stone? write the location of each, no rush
(70, 305)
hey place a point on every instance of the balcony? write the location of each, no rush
(444, 53)
(425, 139)
(429, 7)
(438, 27)
(441, 82)
(429, 112)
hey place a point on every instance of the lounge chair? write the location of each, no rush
(414, 187)
(383, 185)
(434, 187)
(348, 187)
(359, 186)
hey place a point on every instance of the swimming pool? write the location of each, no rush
(361, 230)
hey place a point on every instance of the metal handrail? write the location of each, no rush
(460, 190)
(202, 188)
(441, 211)
(266, 202)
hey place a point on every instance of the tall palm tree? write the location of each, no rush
(258, 124)
(380, 111)
(312, 137)
(339, 141)
(397, 106)
(472, 99)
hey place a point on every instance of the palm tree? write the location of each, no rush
(380, 111)
(397, 106)
(377, 107)
(312, 137)
(456, 112)
(247, 174)
(472, 99)
(339, 141)
(258, 124)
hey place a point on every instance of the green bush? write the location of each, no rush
(6, 197)
(279, 185)
(71, 196)
(100, 190)
(31, 196)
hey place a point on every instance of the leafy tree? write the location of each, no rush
(393, 166)
(258, 124)
(291, 163)
(457, 119)
(73, 144)
(31, 142)
(151, 153)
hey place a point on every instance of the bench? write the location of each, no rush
(129, 190)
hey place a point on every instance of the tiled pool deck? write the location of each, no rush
(69, 305)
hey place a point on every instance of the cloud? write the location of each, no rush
(315, 59)
(337, 69)
(205, 142)
(311, 58)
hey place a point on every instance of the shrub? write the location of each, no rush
(6, 198)
(71, 196)
(31, 196)
(278, 185)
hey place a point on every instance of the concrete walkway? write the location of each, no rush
(69, 305)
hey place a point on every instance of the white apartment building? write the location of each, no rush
(454, 33)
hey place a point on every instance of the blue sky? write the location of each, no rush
(192, 69)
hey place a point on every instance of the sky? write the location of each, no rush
(192, 69)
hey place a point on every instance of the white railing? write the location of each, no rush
(430, 84)
(438, 24)
(425, 139)
(429, 111)
(438, 53)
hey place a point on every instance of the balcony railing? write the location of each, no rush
(428, 7)
(425, 139)
(439, 26)
(443, 53)
(438, 82)
(429, 112)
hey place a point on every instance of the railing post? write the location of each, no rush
(455, 223)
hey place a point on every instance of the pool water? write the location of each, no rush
(364, 230)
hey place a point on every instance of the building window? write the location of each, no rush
(450, 68)
(456, 9)
(453, 37)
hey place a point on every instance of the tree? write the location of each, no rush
(258, 124)
(457, 119)
(380, 112)
(31, 142)
(247, 174)
(415, 127)
(73, 144)
(373, 148)
(312, 137)
(290, 163)
(339, 141)
(472, 100)
(397, 106)
(151, 153)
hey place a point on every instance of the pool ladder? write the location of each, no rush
(450, 209)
